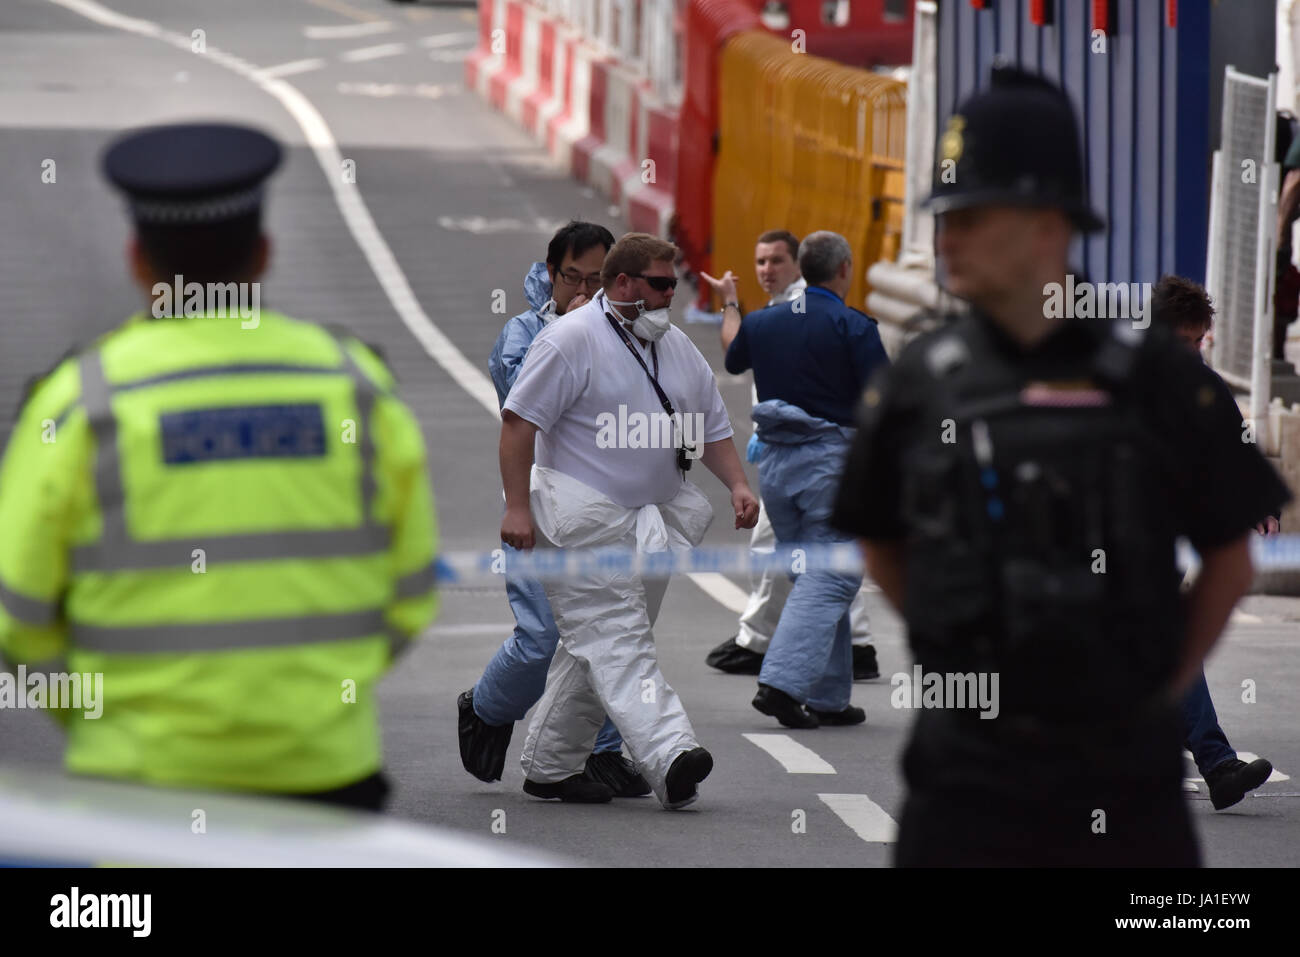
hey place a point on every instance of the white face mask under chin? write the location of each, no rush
(649, 324)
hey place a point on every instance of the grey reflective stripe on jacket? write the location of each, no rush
(117, 551)
(30, 611)
(226, 635)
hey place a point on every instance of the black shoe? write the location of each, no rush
(574, 790)
(482, 745)
(1230, 781)
(849, 715)
(617, 773)
(734, 660)
(864, 663)
(688, 769)
(781, 706)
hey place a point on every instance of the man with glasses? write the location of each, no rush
(617, 359)
(516, 675)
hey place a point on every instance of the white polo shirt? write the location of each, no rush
(599, 418)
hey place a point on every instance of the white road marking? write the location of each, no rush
(449, 39)
(429, 91)
(1245, 618)
(471, 630)
(373, 53)
(792, 755)
(451, 56)
(292, 67)
(867, 818)
(481, 225)
(348, 31)
(722, 590)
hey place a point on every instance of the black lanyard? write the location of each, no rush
(654, 355)
(683, 453)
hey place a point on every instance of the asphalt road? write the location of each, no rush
(465, 202)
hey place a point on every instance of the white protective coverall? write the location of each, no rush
(606, 661)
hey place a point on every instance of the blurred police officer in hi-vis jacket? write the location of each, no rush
(224, 511)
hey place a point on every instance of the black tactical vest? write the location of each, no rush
(1038, 541)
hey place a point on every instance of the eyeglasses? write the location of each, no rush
(657, 283)
(573, 279)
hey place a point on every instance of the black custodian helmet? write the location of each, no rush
(1013, 144)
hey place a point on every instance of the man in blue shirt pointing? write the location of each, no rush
(812, 357)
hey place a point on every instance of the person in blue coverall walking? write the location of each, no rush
(812, 358)
(516, 676)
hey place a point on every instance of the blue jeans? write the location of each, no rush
(1205, 739)
(811, 654)
(516, 676)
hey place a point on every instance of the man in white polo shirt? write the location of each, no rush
(617, 401)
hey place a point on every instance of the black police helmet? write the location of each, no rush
(1014, 144)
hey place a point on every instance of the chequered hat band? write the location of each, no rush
(210, 210)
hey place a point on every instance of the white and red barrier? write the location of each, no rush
(600, 119)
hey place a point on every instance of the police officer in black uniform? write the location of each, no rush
(1018, 484)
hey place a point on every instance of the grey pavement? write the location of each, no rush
(467, 201)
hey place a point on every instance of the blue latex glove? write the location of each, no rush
(754, 451)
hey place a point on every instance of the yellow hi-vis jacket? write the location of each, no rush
(234, 526)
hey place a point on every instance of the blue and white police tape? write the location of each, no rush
(1273, 553)
(559, 564)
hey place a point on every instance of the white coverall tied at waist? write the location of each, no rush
(606, 661)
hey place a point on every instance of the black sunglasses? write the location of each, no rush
(657, 283)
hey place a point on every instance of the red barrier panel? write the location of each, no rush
(708, 24)
(871, 36)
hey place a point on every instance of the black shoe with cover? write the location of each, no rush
(781, 706)
(849, 715)
(864, 663)
(574, 790)
(617, 773)
(482, 745)
(734, 660)
(688, 769)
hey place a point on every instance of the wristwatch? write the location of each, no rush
(733, 305)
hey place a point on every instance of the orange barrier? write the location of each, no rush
(805, 144)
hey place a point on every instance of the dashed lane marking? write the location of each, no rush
(349, 31)
(373, 53)
(346, 10)
(292, 67)
(792, 755)
(448, 39)
(429, 91)
(481, 629)
(722, 590)
(867, 818)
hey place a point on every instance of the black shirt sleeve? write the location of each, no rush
(869, 503)
(1220, 483)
